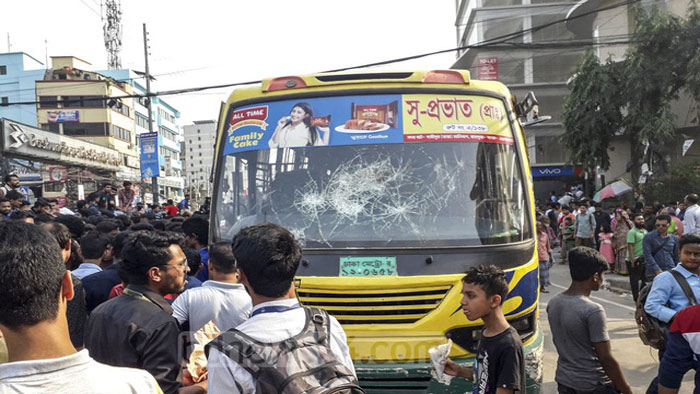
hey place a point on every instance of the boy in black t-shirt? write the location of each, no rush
(500, 364)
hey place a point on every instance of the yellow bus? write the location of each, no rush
(394, 184)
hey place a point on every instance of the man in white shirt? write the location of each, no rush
(96, 248)
(35, 289)
(222, 298)
(268, 257)
(691, 219)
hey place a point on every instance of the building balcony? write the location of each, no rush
(167, 124)
(169, 144)
(176, 164)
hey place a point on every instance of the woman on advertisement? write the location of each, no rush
(297, 129)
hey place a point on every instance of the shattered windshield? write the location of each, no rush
(393, 195)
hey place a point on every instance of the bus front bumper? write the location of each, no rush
(384, 378)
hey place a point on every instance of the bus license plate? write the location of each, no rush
(368, 266)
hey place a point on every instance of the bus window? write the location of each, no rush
(435, 194)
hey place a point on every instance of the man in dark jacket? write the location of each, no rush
(137, 329)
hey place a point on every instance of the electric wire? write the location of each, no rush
(489, 43)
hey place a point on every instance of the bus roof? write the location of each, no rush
(282, 86)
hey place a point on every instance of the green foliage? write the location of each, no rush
(633, 97)
(679, 182)
(650, 80)
(592, 113)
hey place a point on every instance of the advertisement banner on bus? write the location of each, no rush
(366, 119)
(455, 119)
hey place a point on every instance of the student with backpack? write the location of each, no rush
(579, 331)
(500, 364)
(264, 354)
(672, 291)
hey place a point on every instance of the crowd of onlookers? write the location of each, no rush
(658, 246)
(107, 298)
(110, 201)
(617, 231)
(115, 298)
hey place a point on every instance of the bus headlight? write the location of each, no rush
(468, 337)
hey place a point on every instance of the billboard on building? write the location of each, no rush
(63, 116)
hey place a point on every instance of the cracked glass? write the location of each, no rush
(435, 194)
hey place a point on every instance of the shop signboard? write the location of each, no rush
(58, 174)
(26, 171)
(150, 161)
(552, 171)
(30, 142)
(132, 161)
(488, 69)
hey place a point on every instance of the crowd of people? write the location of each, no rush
(114, 298)
(100, 302)
(658, 247)
(110, 201)
(625, 236)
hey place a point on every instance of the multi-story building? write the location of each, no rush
(72, 102)
(165, 122)
(536, 45)
(606, 21)
(530, 59)
(200, 139)
(18, 72)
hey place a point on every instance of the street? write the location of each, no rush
(639, 362)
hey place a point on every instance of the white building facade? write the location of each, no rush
(165, 122)
(200, 141)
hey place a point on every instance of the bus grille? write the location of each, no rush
(396, 306)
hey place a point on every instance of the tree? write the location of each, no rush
(633, 97)
(592, 113)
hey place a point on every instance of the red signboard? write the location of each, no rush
(488, 69)
(58, 174)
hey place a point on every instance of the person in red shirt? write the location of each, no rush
(171, 209)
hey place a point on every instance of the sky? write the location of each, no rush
(201, 43)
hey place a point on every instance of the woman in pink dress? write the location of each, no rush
(606, 247)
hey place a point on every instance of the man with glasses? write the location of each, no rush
(666, 297)
(660, 248)
(137, 329)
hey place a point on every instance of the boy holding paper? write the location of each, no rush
(500, 364)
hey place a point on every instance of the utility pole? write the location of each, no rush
(154, 179)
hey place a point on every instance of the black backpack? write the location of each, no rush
(301, 364)
(652, 331)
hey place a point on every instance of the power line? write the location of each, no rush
(490, 43)
(90, 8)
